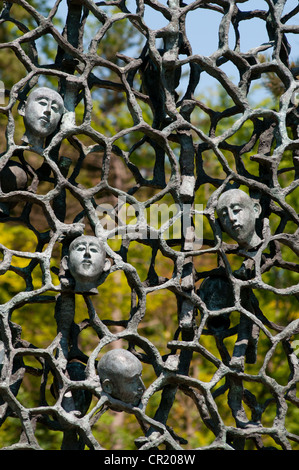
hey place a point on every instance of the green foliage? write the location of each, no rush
(118, 430)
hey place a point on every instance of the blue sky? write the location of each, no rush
(202, 30)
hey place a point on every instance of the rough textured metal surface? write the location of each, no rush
(274, 133)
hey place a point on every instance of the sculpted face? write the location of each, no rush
(87, 261)
(42, 113)
(120, 374)
(238, 213)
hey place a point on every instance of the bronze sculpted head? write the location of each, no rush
(86, 262)
(120, 374)
(42, 113)
(238, 213)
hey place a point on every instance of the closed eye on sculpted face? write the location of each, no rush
(82, 246)
(44, 101)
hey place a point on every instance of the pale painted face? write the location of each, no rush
(87, 259)
(238, 213)
(43, 111)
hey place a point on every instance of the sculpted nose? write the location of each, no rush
(47, 109)
(231, 215)
(87, 252)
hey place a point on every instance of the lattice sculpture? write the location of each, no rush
(179, 150)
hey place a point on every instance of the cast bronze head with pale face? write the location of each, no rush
(238, 213)
(120, 374)
(86, 262)
(42, 113)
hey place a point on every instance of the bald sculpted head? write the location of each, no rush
(120, 374)
(42, 113)
(87, 261)
(238, 213)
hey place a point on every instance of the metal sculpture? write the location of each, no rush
(166, 151)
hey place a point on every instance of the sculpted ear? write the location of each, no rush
(64, 262)
(107, 265)
(107, 386)
(257, 209)
(21, 108)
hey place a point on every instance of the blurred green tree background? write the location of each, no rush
(118, 430)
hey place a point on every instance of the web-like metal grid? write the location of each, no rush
(179, 145)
